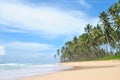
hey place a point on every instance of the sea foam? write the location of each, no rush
(13, 71)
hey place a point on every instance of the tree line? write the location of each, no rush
(97, 41)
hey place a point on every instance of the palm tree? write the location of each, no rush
(62, 54)
(54, 56)
(85, 44)
(88, 29)
(95, 44)
(75, 40)
(70, 49)
(98, 37)
(97, 41)
(115, 14)
(106, 27)
(58, 52)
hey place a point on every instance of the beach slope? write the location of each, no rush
(91, 70)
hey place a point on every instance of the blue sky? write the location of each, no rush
(32, 30)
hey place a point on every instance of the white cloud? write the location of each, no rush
(84, 3)
(30, 50)
(2, 50)
(47, 20)
(28, 46)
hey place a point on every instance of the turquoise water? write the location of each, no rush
(13, 71)
(11, 66)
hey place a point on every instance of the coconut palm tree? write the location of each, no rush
(97, 41)
(106, 27)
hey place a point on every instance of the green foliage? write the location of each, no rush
(98, 42)
(117, 54)
(110, 58)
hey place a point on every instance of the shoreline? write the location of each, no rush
(90, 70)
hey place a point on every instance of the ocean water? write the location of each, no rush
(14, 71)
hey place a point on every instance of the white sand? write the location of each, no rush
(91, 70)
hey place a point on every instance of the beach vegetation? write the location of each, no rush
(99, 42)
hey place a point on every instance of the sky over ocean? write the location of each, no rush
(32, 30)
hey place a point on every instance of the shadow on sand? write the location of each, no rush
(87, 67)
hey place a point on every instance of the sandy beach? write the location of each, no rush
(91, 70)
